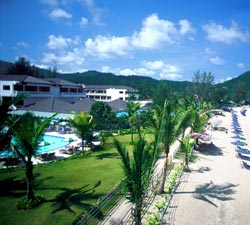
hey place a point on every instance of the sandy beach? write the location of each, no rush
(217, 190)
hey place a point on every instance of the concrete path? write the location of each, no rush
(217, 191)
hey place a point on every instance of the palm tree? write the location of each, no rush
(28, 132)
(82, 122)
(186, 147)
(5, 107)
(133, 117)
(172, 129)
(138, 170)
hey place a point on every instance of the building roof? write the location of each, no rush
(23, 79)
(118, 105)
(95, 87)
(57, 105)
(61, 82)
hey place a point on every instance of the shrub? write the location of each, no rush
(25, 204)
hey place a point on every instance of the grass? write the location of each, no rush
(69, 187)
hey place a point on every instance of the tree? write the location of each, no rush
(102, 115)
(186, 147)
(240, 92)
(28, 133)
(5, 127)
(162, 93)
(202, 85)
(82, 122)
(20, 67)
(133, 117)
(172, 116)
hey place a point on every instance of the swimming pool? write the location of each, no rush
(55, 143)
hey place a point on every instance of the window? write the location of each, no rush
(44, 89)
(120, 92)
(31, 88)
(73, 90)
(6, 87)
(18, 87)
(64, 90)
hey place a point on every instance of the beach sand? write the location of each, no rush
(217, 190)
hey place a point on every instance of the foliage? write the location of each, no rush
(26, 137)
(25, 204)
(103, 115)
(20, 67)
(202, 85)
(5, 125)
(83, 123)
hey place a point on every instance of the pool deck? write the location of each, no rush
(58, 155)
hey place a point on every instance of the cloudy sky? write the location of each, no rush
(164, 39)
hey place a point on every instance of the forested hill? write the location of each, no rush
(146, 85)
(243, 78)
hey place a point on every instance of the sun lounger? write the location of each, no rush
(243, 151)
(245, 157)
(246, 165)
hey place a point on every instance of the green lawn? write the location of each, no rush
(69, 187)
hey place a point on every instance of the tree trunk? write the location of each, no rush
(29, 179)
(137, 216)
(163, 180)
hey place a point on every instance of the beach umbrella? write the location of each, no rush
(71, 139)
(44, 143)
(239, 143)
(195, 135)
(63, 123)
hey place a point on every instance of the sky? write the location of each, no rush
(162, 39)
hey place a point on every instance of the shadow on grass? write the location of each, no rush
(14, 187)
(74, 197)
(108, 155)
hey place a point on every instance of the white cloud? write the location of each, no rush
(59, 43)
(22, 44)
(218, 33)
(154, 33)
(241, 65)
(83, 22)
(153, 65)
(96, 12)
(217, 60)
(139, 71)
(185, 27)
(107, 47)
(59, 14)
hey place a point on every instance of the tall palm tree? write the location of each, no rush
(28, 132)
(172, 129)
(138, 172)
(20, 67)
(139, 167)
(82, 122)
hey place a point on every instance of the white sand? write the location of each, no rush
(217, 191)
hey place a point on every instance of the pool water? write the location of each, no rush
(55, 143)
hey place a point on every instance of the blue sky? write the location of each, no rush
(163, 39)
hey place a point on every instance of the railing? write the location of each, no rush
(96, 212)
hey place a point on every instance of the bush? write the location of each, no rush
(25, 204)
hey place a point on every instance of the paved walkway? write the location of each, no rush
(217, 191)
(121, 211)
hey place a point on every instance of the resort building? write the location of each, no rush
(110, 92)
(37, 89)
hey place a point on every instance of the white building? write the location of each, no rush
(110, 92)
(34, 88)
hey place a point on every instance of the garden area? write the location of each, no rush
(70, 187)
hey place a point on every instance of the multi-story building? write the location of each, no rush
(110, 92)
(34, 88)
